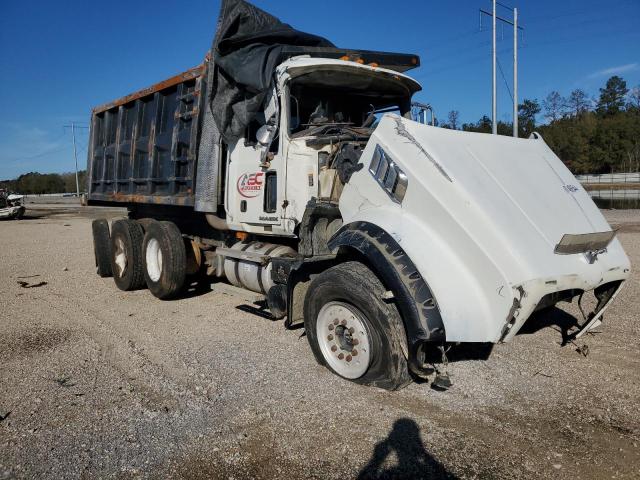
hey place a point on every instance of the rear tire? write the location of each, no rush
(102, 247)
(145, 222)
(126, 254)
(352, 331)
(165, 259)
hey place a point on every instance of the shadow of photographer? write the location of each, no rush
(413, 461)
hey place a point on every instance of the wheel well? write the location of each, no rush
(393, 266)
(302, 277)
(349, 253)
(298, 284)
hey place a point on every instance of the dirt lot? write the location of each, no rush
(98, 383)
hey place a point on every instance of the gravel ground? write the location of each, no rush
(98, 383)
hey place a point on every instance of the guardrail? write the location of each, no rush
(610, 178)
(613, 190)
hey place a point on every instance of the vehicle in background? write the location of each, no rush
(11, 206)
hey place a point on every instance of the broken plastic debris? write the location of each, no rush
(442, 382)
(24, 284)
(584, 350)
(64, 382)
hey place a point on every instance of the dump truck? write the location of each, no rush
(294, 169)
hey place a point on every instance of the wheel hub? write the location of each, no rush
(120, 257)
(153, 256)
(344, 339)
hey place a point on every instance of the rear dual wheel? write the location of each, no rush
(164, 259)
(139, 252)
(102, 247)
(126, 254)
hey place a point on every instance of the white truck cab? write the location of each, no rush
(293, 168)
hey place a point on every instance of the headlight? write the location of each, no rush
(390, 177)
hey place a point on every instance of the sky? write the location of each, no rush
(60, 59)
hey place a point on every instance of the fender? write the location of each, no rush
(418, 308)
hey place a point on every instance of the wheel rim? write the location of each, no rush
(154, 259)
(120, 257)
(344, 339)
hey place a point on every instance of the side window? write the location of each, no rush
(270, 192)
(250, 139)
(294, 114)
(276, 120)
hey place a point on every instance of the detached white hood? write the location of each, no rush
(481, 218)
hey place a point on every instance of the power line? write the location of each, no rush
(495, 62)
(50, 151)
(459, 64)
(43, 154)
(448, 54)
(505, 79)
(579, 38)
(505, 6)
(573, 13)
(82, 146)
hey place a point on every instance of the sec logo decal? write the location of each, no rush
(250, 184)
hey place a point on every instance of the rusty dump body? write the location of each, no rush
(143, 146)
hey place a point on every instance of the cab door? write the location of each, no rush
(251, 187)
(254, 199)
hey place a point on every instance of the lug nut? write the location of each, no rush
(330, 337)
(355, 341)
(341, 356)
(335, 321)
(343, 322)
(351, 330)
(354, 352)
(348, 359)
(334, 348)
(331, 326)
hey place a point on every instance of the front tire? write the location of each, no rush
(352, 331)
(165, 259)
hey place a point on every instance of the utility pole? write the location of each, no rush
(516, 27)
(515, 72)
(75, 155)
(73, 127)
(494, 99)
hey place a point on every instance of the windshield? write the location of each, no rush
(326, 100)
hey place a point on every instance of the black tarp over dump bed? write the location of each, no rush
(161, 145)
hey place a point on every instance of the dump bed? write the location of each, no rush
(143, 147)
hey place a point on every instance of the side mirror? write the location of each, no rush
(266, 134)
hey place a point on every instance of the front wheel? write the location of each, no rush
(353, 331)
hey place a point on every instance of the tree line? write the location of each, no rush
(590, 135)
(34, 183)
